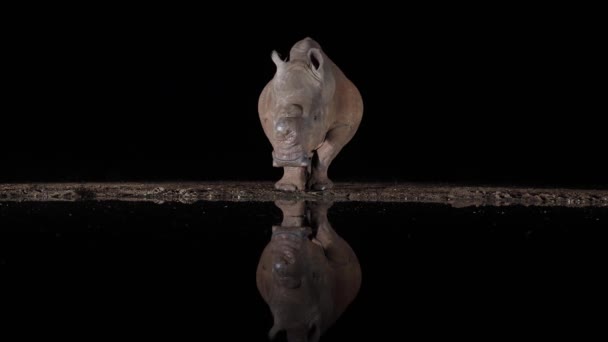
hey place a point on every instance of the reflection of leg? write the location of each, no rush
(318, 220)
(293, 213)
(294, 178)
(334, 142)
(335, 248)
(318, 212)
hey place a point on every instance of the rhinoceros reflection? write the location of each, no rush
(307, 274)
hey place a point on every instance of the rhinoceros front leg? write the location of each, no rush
(294, 178)
(334, 142)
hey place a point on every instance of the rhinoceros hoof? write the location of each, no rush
(285, 186)
(322, 185)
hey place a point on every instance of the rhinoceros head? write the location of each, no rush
(304, 86)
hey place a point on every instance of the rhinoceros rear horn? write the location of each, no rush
(316, 60)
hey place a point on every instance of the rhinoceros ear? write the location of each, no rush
(277, 60)
(316, 60)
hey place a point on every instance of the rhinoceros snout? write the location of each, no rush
(289, 144)
(285, 129)
(282, 129)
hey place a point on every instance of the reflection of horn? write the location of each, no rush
(273, 331)
(286, 273)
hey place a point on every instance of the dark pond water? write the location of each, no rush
(188, 271)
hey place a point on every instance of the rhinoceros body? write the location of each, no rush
(307, 281)
(308, 111)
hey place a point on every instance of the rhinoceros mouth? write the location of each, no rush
(293, 159)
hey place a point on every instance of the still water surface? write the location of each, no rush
(188, 271)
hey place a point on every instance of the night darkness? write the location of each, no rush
(449, 96)
(454, 96)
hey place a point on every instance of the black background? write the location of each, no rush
(486, 95)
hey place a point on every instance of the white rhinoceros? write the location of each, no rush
(309, 111)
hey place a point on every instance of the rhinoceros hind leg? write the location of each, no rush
(294, 178)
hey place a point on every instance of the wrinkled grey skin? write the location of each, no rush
(309, 111)
(308, 281)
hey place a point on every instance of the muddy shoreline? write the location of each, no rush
(188, 192)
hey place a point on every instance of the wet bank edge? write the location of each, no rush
(189, 192)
